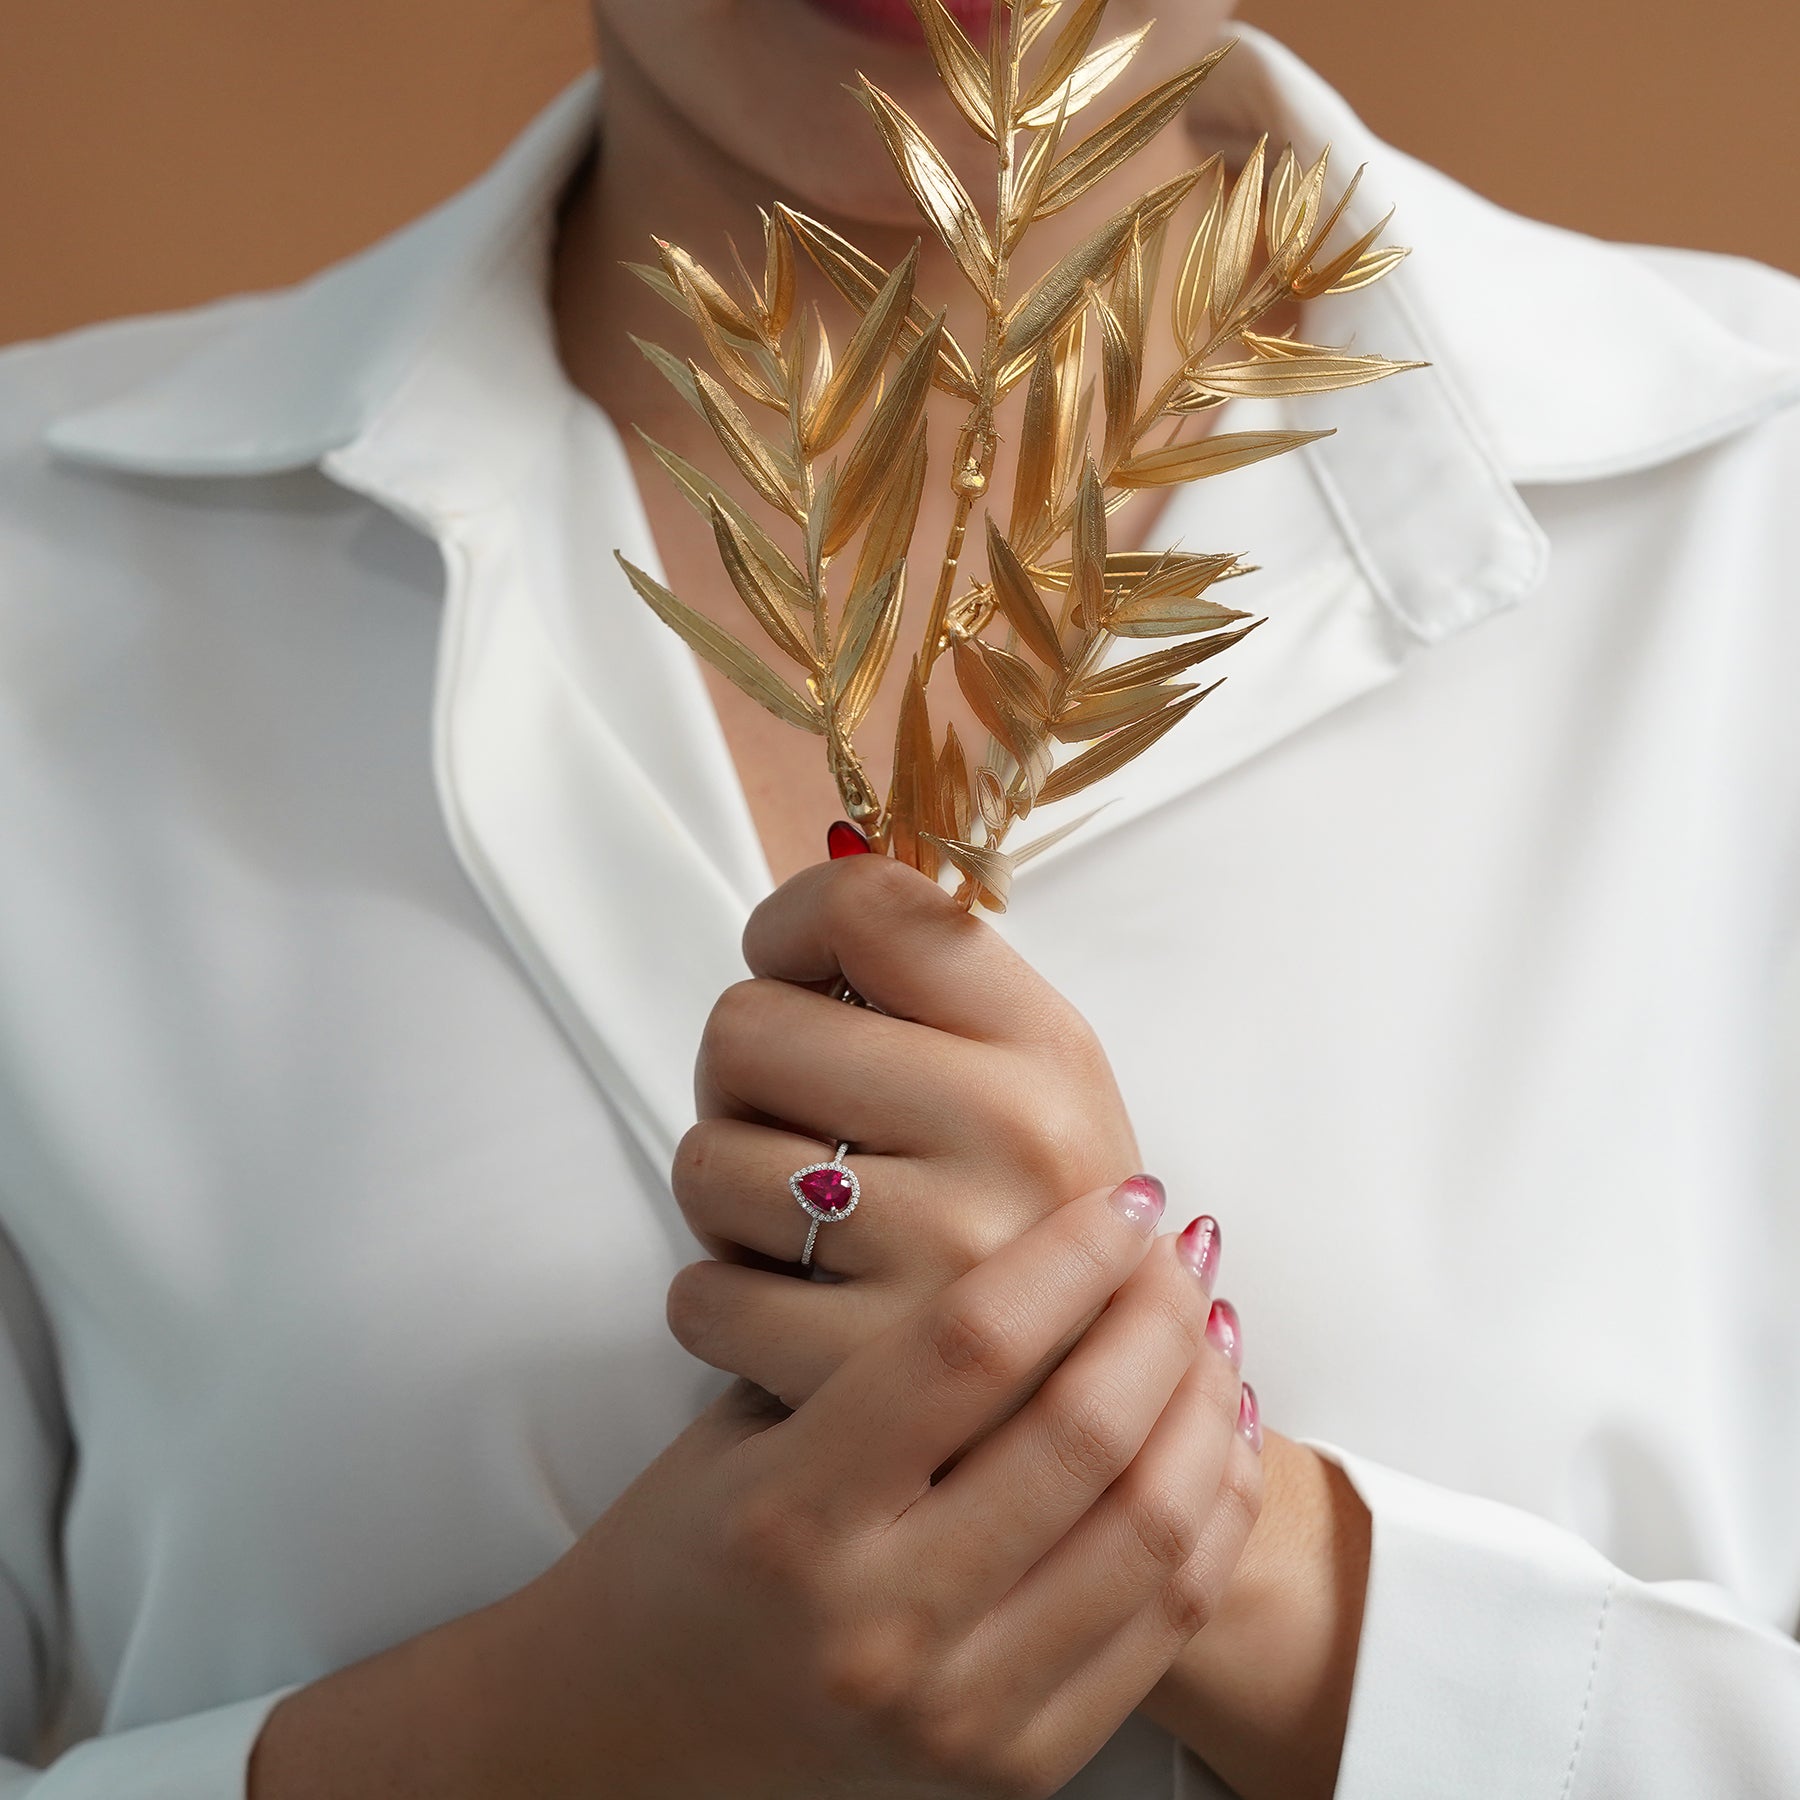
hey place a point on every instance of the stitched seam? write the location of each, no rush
(1587, 1698)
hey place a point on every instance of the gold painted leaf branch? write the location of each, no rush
(733, 660)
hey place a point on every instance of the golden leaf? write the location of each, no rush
(1039, 845)
(878, 453)
(1164, 665)
(864, 357)
(1071, 407)
(990, 798)
(1120, 373)
(1048, 304)
(1277, 377)
(963, 72)
(955, 808)
(1005, 693)
(761, 598)
(745, 446)
(659, 281)
(1100, 713)
(1194, 283)
(990, 870)
(703, 493)
(1168, 615)
(1091, 78)
(1121, 138)
(742, 368)
(673, 370)
(780, 278)
(1116, 751)
(1027, 187)
(1019, 600)
(914, 786)
(1034, 480)
(705, 298)
(1064, 55)
(860, 278)
(1237, 237)
(1288, 226)
(866, 642)
(1210, 455)
(818, 381)
(1369, 269)
(895, 515)
(935, 189)
(733, 660)
(1087, 553)
(1311, 281)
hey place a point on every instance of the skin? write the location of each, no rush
(785, 1603)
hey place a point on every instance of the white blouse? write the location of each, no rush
(367, 877)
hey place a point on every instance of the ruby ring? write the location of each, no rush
(828, 1191)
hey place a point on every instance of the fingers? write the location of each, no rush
(1015, 1498)
(733, 1185)
(904, 945)
(1151, 1543)
(1111, 1679)
(904, 1404)
(784, 1335)
(772, 1051)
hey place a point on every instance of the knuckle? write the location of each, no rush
(864, 1673)
(1240, 1495)
(732, 1024)
(1190, 1599)
(1164, 1525)
(768, 1537)
(688, 1307)
(693, 1157)
(867, 897)
(1086, 1439)
(977, 1336)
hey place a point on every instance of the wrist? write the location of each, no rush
(1262, 1695)
(424, 1718)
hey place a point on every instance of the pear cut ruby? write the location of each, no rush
(828, 1189)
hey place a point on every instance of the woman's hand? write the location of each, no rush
(788, 1608)
(975, 1102)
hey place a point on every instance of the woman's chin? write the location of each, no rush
(896, 21)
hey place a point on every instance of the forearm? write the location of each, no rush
(1262, 1695)
(425, 1720)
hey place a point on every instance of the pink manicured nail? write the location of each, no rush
(1140, 1202)
(1224, 1332)
(1198, 1247)
(1249, 1419)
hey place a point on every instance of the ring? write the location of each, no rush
(828, 1191)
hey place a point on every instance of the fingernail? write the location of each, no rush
(1140, 1202)
(1249, 1419)
(1224, 1332)
(1198, 1247)
(843, 839)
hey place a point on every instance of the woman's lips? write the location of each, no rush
(895, 19)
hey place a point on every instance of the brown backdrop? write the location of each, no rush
(154, 156)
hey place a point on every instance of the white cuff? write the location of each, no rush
(1480, 1644)
(200, 1756)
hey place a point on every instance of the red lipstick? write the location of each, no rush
(896, 21)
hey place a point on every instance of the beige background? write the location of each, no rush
(156, 155)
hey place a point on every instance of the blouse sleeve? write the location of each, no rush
(204, 1756)
(1504, 1656)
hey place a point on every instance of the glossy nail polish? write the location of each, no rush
(1224, 1332)
(1249, 1418)
(1198, 1247)
(843, 839)
(1140, 1202)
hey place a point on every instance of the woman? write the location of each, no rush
(345, 1451)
